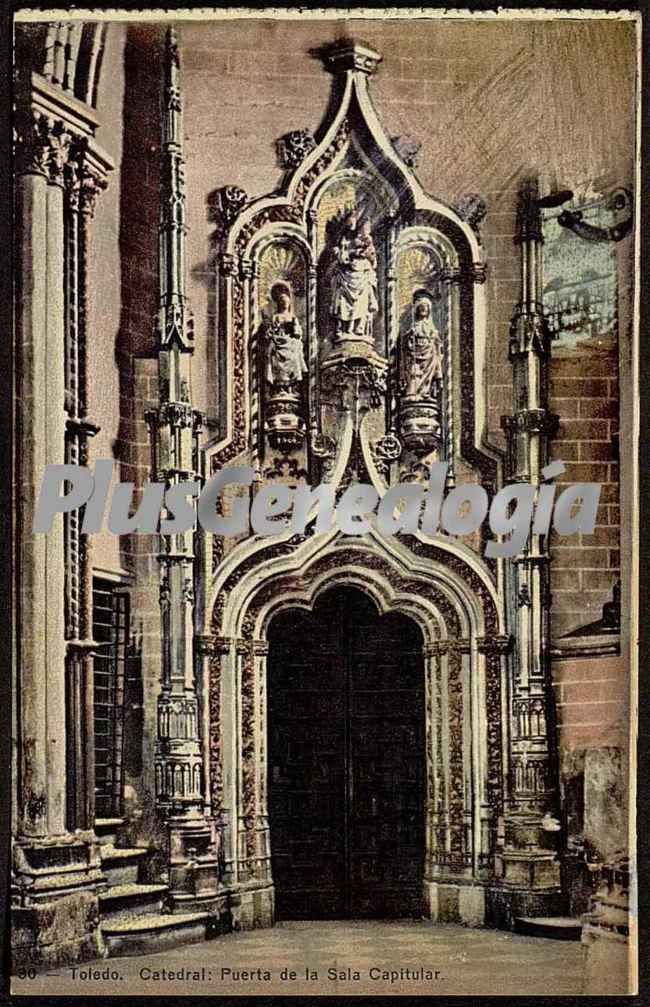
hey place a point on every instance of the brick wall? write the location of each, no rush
(584, 393)
(591, 701)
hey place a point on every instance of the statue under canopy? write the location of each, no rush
(284, 357)
(421, 353)
(354, 280)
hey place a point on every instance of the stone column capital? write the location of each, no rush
(494, 644)
(462, 645)
(84, 178)
(42, 146)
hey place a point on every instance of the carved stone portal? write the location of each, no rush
(351, 310)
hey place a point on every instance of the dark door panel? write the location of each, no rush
(346, 761)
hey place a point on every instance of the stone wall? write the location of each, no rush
(585, 395)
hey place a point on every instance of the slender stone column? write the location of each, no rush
(83, 183)
(262, 849)
(175, 427)
(529, 863)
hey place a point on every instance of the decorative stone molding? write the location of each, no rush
(42, 146)
(349, 55)
(621, 201)
(294, 147)
(227, 204)
(472, 208)
(479, 272)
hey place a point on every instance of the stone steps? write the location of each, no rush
(131, 913)
(107, 830)
(559, 928)
(117, 900)
(145, 935)
(121, 866)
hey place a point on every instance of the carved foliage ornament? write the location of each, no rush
(42, 146)
(227, 204)
(472, 208)
(294, 147)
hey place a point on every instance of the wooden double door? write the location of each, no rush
(346, 760)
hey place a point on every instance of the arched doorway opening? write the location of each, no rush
(347, 764)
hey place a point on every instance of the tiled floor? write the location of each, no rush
(467, 962)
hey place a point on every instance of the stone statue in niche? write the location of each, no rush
(421, 353)
(420, 378)
(284, 356)
(354, 279)
(284, 368)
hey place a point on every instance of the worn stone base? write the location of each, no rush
(446, 902)
(608, 962)
(503, 905)
(151, 934)
(253, 908)
(56, 933)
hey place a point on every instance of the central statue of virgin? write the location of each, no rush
(354, 279)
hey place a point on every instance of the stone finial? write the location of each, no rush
(348, 54)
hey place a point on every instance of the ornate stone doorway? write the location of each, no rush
(347, 762)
